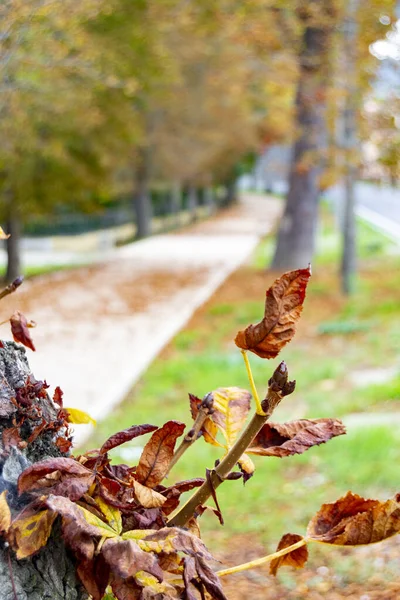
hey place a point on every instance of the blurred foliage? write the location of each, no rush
(84, 87)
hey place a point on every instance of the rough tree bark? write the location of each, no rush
(296, 238)
(50, 574)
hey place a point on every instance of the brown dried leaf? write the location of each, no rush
(180, 540)
(126, 559)
(5, 514)
(148, 497)
(72, 478)
(20, 330)
(297, 558)
(283, 306)
(209, 428)
(31, 533)
(209, 579)
(125, 436)
(294, 437)
(352, 520)
(157, 454)
(78, 519)
(58, 396)
(94, 574)
(189, 575)
(126, 589)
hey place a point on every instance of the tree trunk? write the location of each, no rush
(192, 203)
(176, 203)
(296, 238)
(209, 199)
(49, 574)
(350, 146)
(230, 196)
(13, 244)
(141, 196)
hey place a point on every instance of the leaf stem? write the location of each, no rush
(278, 387)
(259, 409)
(264, 559)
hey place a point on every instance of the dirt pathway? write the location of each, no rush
(99, 327)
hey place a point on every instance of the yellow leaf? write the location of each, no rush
(78, 417)
(148, 497)
(246, 464)
(111, 513)
(231, 406)
(137, 534)
(32, 533)
(3, 236)
(5, 514)
(106, 530)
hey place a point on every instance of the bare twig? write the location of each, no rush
(205, 410)
(278, 387)
(11, 287)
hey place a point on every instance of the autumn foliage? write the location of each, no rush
(126, 528)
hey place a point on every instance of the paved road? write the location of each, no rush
(379, 205)
(99, 327)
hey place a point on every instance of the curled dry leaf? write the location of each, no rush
(297, 558)
(294, 437)
(157, 454)
(58, 396)
(148, 497)
(125, 436)
(82, 520)
(209, 579)
(209, 428)
(352, 520)
(20, 330)
(60, 476)
(31, 533)
(283, 306)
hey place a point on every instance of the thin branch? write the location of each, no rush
(278, 387)
(264, 559)
(205, 410)
(11, 287)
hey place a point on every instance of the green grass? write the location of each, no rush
(364, 332)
